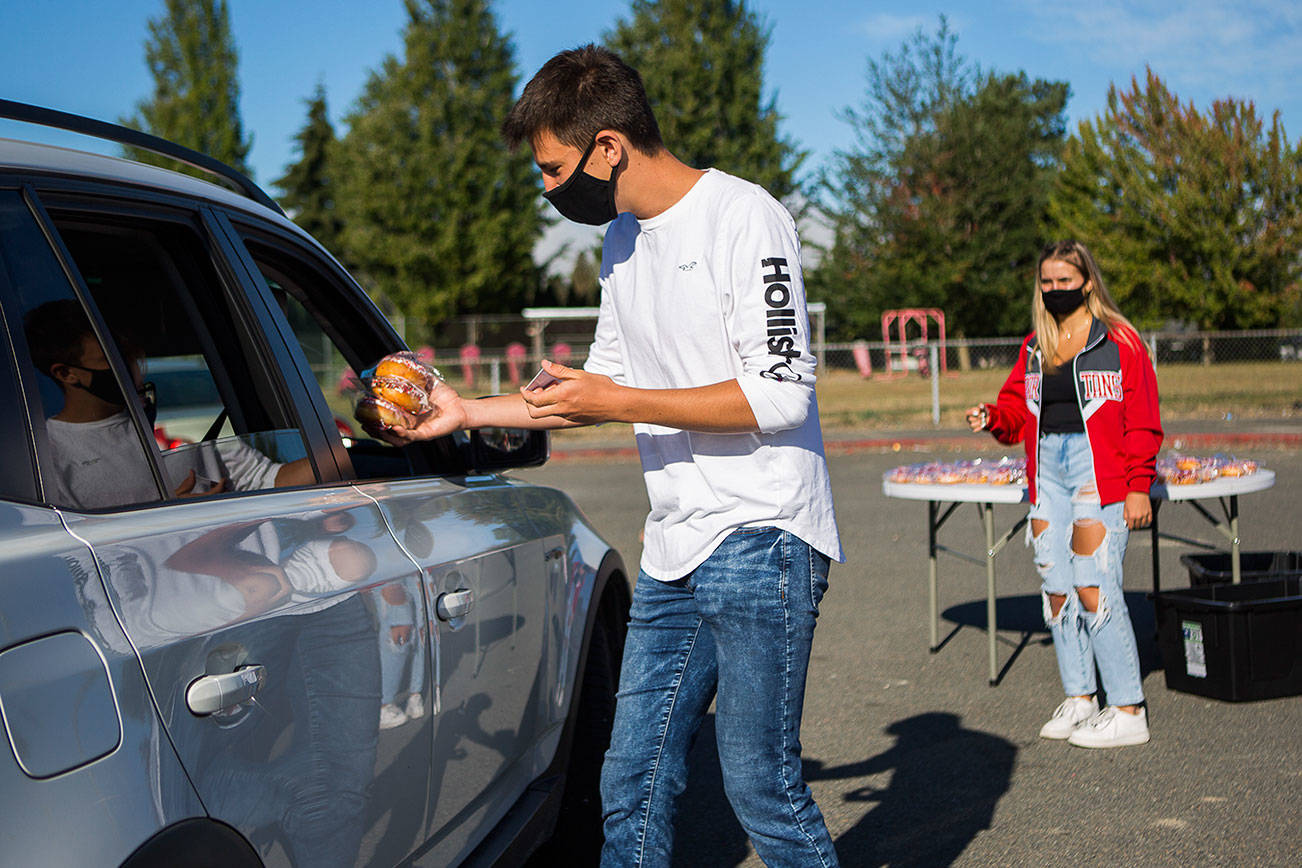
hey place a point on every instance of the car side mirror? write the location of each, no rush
(507, 448)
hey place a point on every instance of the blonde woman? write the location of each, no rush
(1083, 397)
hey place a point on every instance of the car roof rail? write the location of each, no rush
(32, 114)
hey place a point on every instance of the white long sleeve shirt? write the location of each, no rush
(711, 290)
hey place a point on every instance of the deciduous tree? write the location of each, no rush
(941, 202)
(1194, 216)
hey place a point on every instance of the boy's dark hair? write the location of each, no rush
(577, 94)
(55, 331)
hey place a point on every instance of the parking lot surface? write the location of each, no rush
(915, 760)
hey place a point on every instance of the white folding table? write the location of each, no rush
(943, 499)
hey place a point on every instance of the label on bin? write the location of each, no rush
(1195, 658)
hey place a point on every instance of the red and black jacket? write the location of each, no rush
(1116, 390)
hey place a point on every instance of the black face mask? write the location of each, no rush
(103, 385)
(1063, 301)
(583, 198)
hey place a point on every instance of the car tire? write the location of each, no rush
(577, 838)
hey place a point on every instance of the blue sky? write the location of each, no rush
(87, 56)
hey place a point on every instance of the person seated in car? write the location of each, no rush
(94, 466)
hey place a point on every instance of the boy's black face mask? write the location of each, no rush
(583, 198)
(103, 385)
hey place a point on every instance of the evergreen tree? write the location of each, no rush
(702, 62)
(196, 98)
(1193, 216)
(942, 201)
(439, 217)
(307, 188)
(585, 288)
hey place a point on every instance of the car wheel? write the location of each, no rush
(577, 838)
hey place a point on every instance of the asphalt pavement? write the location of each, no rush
(913, 757)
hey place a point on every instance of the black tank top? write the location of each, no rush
(1059, 412)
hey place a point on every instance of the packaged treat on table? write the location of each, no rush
(1180, 469)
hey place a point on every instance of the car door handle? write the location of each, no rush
(455, 604)
(212, 693)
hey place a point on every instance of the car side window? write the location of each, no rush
(337, 347)
(170, 332)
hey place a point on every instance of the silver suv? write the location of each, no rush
(266, 643)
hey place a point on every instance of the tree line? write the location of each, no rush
(955, 178)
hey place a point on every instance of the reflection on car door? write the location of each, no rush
(280, 587)
(477, 549)
(476, 546)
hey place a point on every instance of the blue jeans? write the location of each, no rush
(395, 679)
(1066, 494)
(740, 624)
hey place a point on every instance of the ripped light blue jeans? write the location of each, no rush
(1066, 495)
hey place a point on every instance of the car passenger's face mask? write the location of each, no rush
(103, 385)
(584, 198)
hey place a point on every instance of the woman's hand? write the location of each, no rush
(978, 417)
(1138, 510)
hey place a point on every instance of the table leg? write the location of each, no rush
(988, 518)
(932, 508)
(1157, 561)
(1235, 574)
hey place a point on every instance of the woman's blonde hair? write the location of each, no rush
(1098, 302)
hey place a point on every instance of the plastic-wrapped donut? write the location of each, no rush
(404, 365)
(379, 413)
(402, 392)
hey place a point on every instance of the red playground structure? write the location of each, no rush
(901, 319)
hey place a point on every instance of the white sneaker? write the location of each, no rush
(1072, 713)
(1111, 727)
(415, 707)
(391, 716)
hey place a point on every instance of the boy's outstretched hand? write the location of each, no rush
(448, 414)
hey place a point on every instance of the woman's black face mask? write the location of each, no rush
(1063, 301)
(583, 198)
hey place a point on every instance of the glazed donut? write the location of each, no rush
(403, 393)
(380, 413)
(406, 366)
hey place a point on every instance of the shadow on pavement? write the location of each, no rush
(944, 784)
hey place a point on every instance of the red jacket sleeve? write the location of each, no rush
(1008, 416)
(1141, 421)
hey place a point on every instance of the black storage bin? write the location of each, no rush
(1233, 642)
(1214, 567)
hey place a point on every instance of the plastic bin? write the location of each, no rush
(1233, 642)
(1214, 567)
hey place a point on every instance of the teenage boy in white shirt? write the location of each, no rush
(702, 343)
